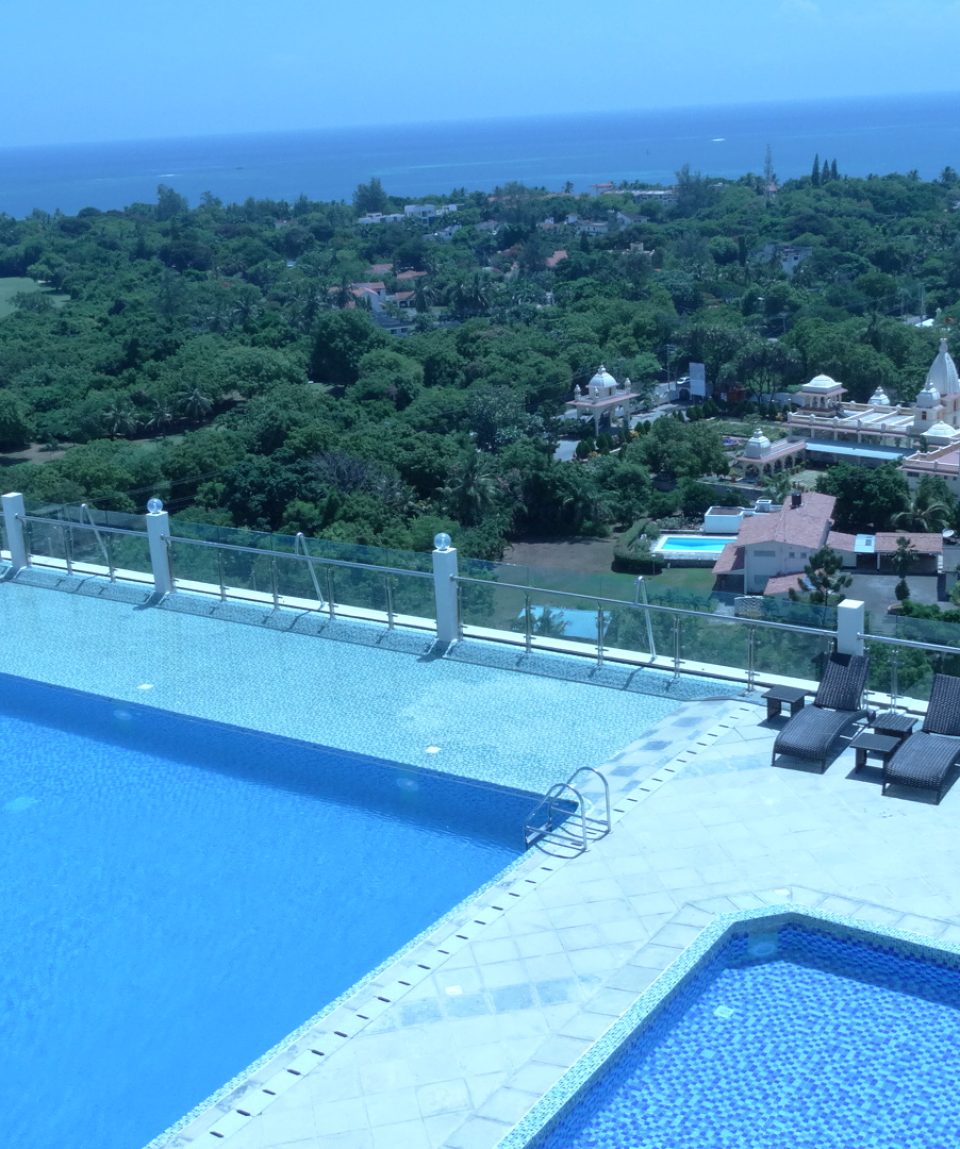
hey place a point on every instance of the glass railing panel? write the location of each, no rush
(485, 603)
(906, 671)
(127, 552)
(322, 548)
(46, 540)
(195, 564)
(86, 546)
(790, 653)
(293, 574)
(411, 596)
(640, 631)
(367, 589)
(715, 640)
(577, 621)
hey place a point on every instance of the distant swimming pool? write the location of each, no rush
(788, 1034)
(178, 895)
(692, 546)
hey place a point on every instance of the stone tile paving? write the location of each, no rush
(474, 1045)
(452, 1051)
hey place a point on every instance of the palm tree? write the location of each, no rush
(120, 419)
(470, 491)
(160, 418)
(926, 512)
(194, 405)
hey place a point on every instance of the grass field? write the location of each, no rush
(13, 285)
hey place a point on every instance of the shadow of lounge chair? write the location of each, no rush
(924, 760)
(811, 733)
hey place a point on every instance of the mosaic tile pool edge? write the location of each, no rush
(440, 937)
(562, 1097)
(222, 1103)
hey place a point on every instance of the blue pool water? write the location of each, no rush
(177, 895)
(693, 544)
(800, 1038)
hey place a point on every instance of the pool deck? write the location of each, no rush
(474, 1045)
(451, 1045)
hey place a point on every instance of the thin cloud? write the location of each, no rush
(806, 9)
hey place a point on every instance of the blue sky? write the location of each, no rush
(105, 69)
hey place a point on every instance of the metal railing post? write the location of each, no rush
(223, 585)
(388, 589)
(67, 540)
(676, 647)
(14, 511)
(600, 629)
(527, 623)
(751, 658)
(274, 582)
(331, 607)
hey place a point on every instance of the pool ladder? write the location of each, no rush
(560, 822)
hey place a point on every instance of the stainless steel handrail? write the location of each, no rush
(300, 541)
(675, 610)
(85, 510)
(81, 526)
(322, 559)
(533, 833)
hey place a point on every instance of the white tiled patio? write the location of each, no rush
(549, 958)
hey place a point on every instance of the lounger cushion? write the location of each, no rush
(841, 686)
(811, 731)
(923, 760)
(943, 711)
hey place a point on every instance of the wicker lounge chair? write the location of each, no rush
(811, 732)
(925, 759)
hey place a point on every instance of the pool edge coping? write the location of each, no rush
(238, 1101)
(718, 922)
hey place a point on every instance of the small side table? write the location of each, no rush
(776, 696)
(868, 744)
(898, 726)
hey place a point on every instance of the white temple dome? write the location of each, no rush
(943, 373)
(757, 445)
(942, 431)
(929, 396)
(603, 378)
(879, 398)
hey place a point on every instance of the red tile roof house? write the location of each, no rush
(772, 548)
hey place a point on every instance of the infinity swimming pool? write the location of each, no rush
(790, 1033)
(178, 895)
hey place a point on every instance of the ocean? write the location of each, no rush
(865, 136)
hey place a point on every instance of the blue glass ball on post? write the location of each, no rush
(155, 505)
(442, 541)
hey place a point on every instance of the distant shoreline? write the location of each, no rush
(876, 135)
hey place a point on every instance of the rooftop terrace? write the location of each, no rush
(456, 1039)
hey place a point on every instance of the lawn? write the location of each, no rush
(582, 566)
(13, 285)
(690, 580)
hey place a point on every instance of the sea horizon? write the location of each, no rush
(876, 135)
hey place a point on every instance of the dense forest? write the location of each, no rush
(227, 357)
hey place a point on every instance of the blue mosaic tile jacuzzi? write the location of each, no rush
(790, 1032)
